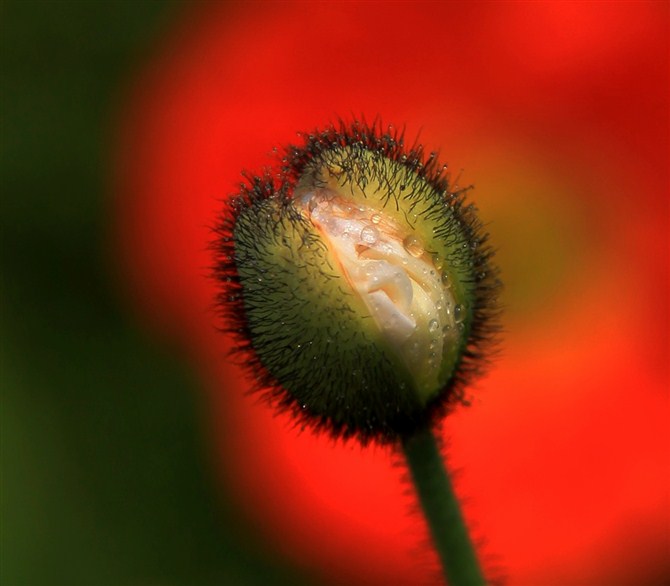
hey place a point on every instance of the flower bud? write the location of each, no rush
(358, 283)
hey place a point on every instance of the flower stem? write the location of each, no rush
(441, 509)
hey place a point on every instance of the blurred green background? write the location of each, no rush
(105, 477)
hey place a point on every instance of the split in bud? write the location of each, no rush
(389, 268)
(359, 284)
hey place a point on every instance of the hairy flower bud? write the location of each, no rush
(358, 282)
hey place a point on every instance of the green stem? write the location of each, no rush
(442, 511)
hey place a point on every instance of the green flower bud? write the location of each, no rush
(358, 284)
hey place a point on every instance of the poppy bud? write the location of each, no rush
(358, 283)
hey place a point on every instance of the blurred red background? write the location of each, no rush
(558, 113)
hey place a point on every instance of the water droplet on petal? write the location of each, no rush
(433, 325)
(369, 235)
(413, 246)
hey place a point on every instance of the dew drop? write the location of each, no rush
(413, 246)
(375, 218)
(459, 313)
(369, 235)
(433, 325)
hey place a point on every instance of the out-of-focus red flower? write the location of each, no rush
(559, 114)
